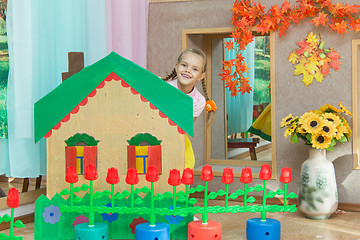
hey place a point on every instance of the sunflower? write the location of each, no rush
(290, 130)
(341, 130)
(286, 121)
(345, 110)
(332, 118)
(312, 123)
(301, 130)
(328, 129)
(320, 141)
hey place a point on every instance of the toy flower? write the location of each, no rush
(265, 172)
(174, 177)
(132, 176)
(206, 173)
(112, 176)
(286, 176)
(210, 106)
(90, 172)
(320, 129)
(187, 177)
(246, 175)
(228, 176)
(13, 200)
(71, 175)
(152, 174)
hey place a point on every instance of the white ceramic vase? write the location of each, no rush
(318, 197)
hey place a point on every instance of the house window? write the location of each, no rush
(144, 150)
(81, 150)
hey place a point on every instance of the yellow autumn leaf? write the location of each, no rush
(312, 67)
(299, 69)
(312, 39)
(307, 78)
(293, 58)
(319, 76)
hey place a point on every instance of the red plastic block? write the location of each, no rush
(199, 231)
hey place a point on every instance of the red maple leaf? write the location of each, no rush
(245, 87)
(285, 26)
(333, 55)
(341, 10)
(325, 69)
(277, 14)
(226, 74)
(285, 6)
(353, 8)
(228, 64)
(320, 19)
(231, 85)
(335, 64)
(229, 46)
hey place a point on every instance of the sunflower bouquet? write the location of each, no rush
(320, 129)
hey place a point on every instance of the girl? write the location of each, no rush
(189, 69)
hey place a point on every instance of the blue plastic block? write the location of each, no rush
(270, 229)
(160, 231)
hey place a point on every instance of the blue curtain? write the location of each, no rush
(240, 108)
(40, 35)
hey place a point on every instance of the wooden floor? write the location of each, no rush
(341, 226)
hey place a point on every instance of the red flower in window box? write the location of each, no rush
(174, 177)
(152, 174)
(246, 175)
(265, 172)
(132, 176)
(112, 176)
(71, 175)
(206, 173)
(188, 176)
(13, 200)
(286, 176)
(90, 172)
(228, 176)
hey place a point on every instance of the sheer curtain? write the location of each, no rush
(40, 35)
(240, 108)
(127, 28)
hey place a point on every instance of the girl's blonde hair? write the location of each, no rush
(196, 51)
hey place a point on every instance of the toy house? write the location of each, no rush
(113, 113)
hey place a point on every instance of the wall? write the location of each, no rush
(166, 21)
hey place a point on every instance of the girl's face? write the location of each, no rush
(189, 70)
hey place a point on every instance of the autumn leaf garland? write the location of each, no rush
(247, 14)
(313, 59)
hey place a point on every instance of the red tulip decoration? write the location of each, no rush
(246, 177)
(265, 174)
(71, 177)
(12, 201)
(174, 180)
(187, 179)
(227, 178)
(206, 176)
(152, 176)
(112, 178)
(91, 175)
(286, 177)
(132, 179)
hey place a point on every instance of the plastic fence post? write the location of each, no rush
(12, 223)
(91, 213)
(205, 214)
(152, 215)
(263, 212)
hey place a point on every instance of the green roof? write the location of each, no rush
(53, 107)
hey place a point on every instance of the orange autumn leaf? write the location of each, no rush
(228, 64)
(229, 46)
(333, 55)
(245, 87)
(335, 64)
(321, 19)
(355, 25)
(340, 27)
(226, 74)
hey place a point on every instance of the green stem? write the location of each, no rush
(174, 199)
(205, 214)
(263, 212)
(132, 198)
(152, 215)
(227, 196)
(245, 194)
(112, 198)
(72, 196)
(187, 196)
(285, 194)
(12, 223)
(91, 213)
